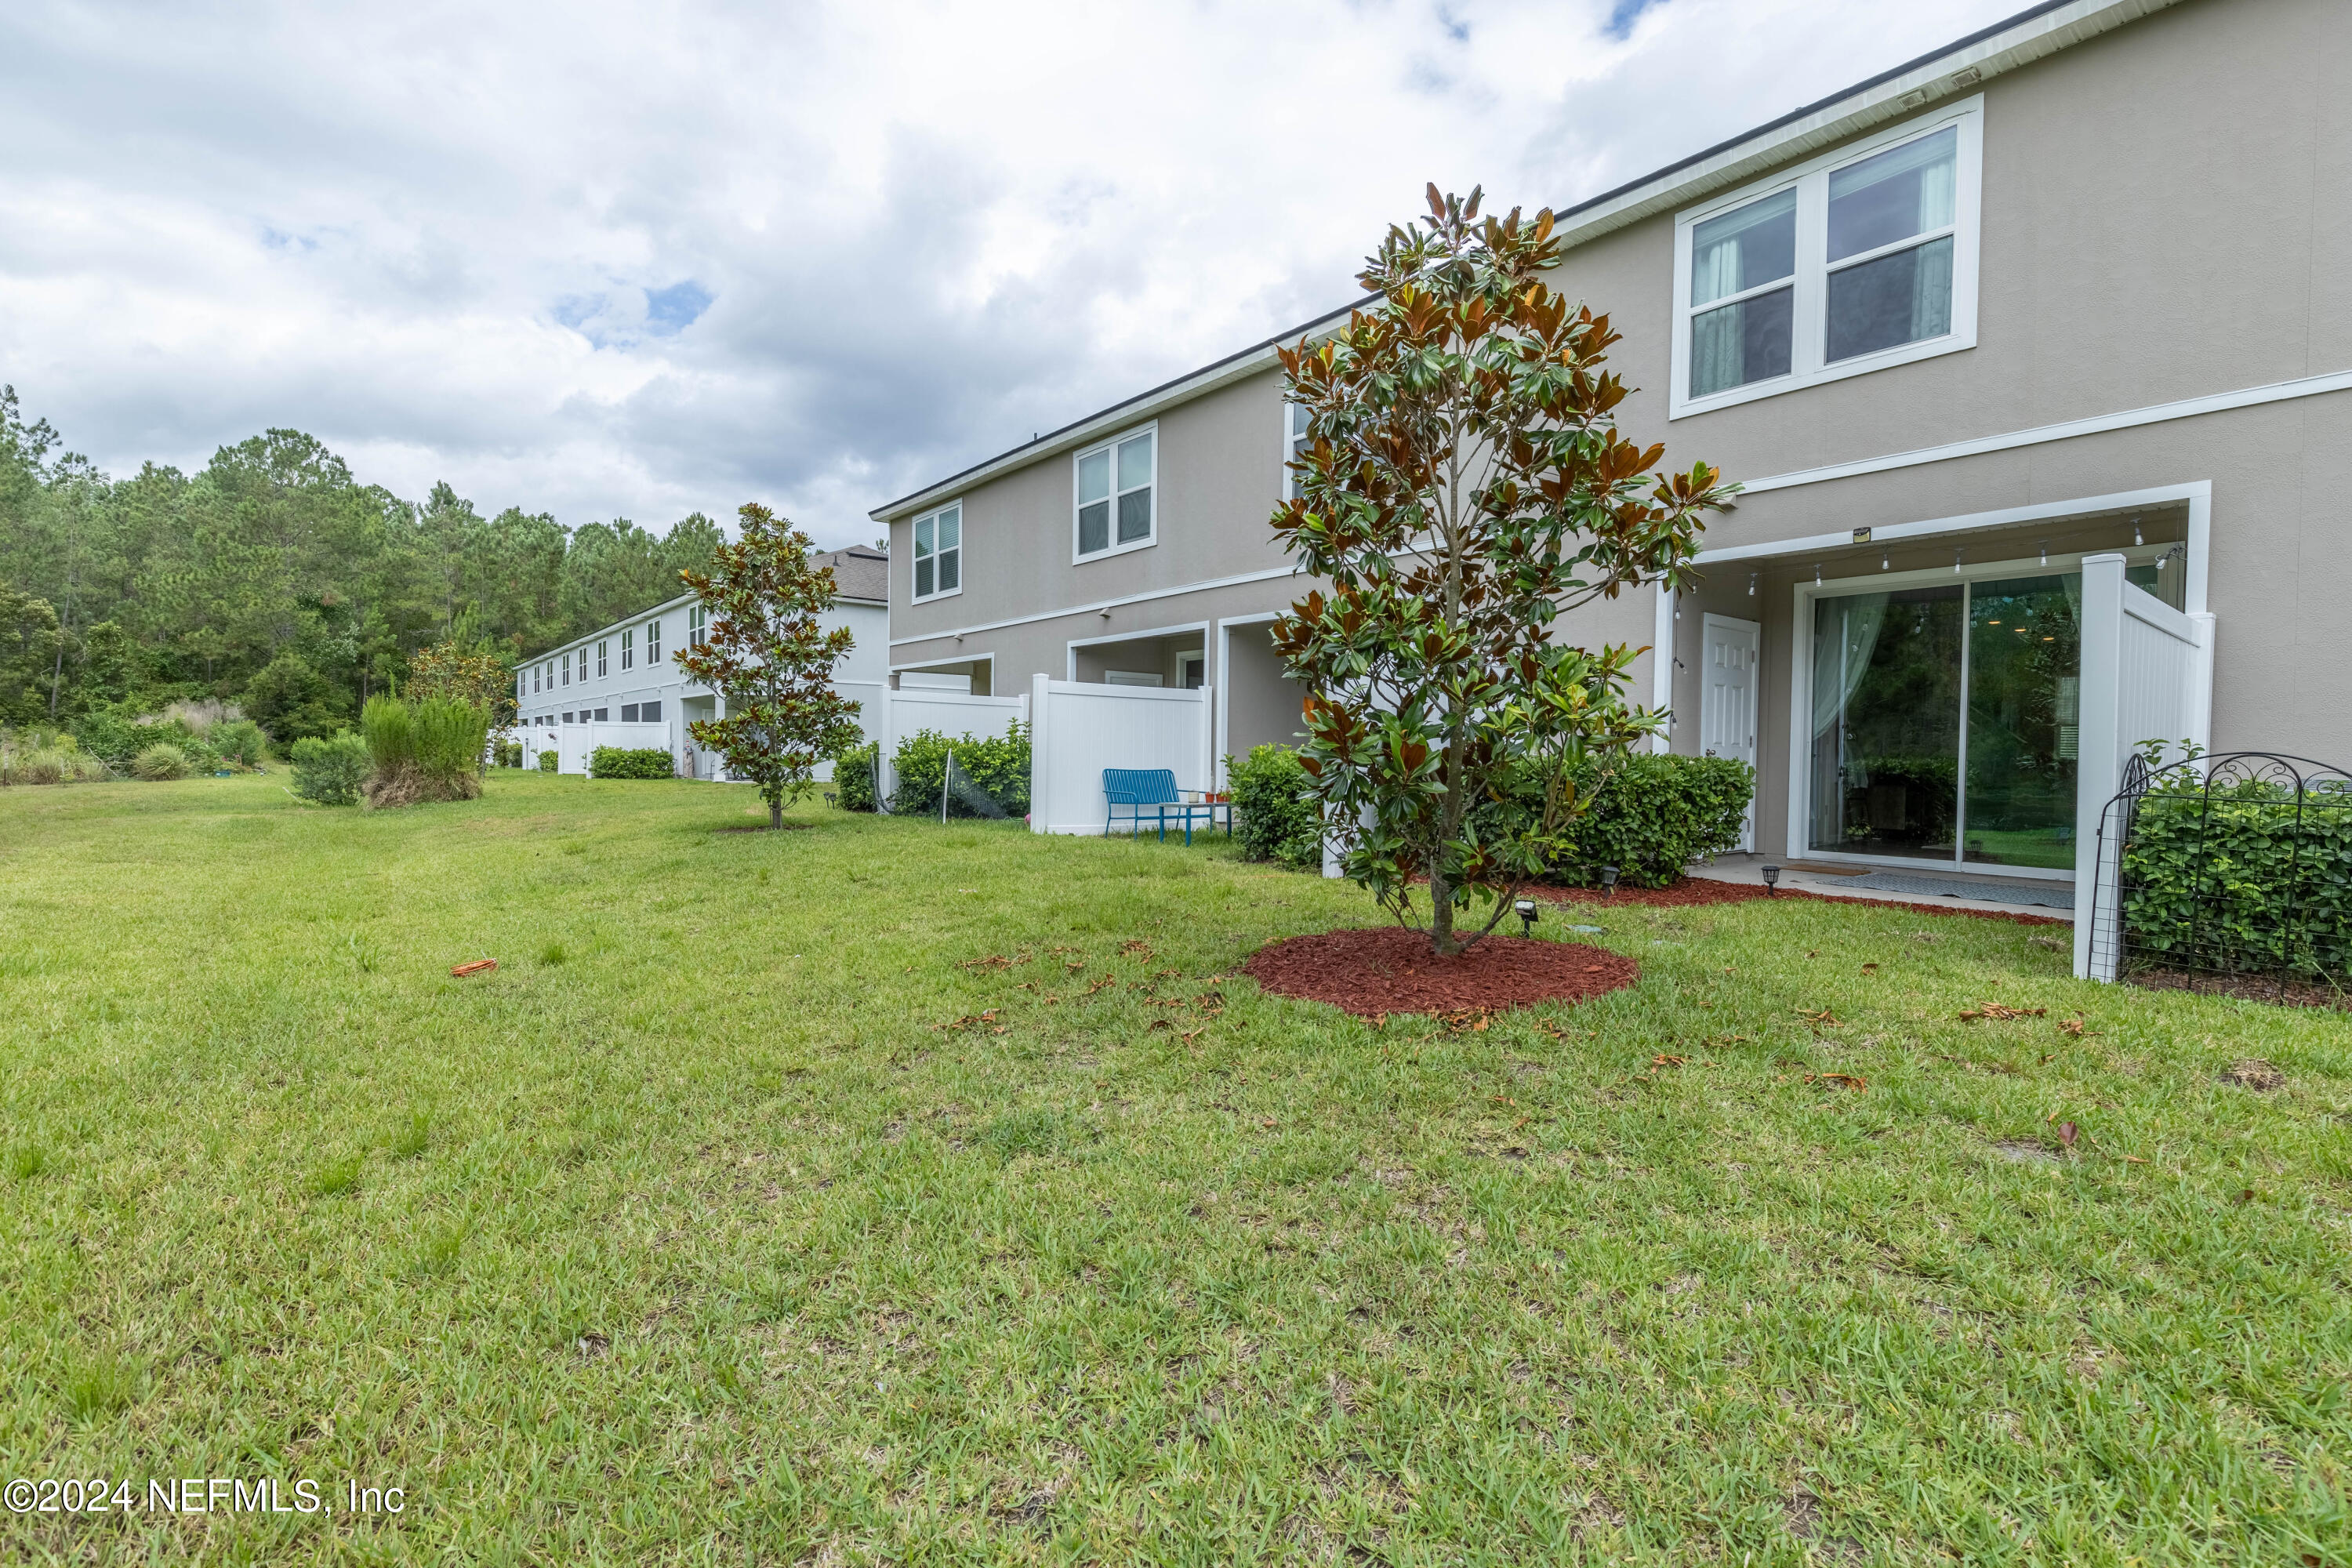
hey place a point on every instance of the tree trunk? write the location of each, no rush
(1440, 915)
(776, 815)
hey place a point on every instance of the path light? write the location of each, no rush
(1528, 914)
(1608, 881)
(1772, 880)
(1751, 582)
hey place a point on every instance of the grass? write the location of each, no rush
(753, 1211)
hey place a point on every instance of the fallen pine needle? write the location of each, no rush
(480, 966)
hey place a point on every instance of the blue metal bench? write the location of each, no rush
(1150, 794)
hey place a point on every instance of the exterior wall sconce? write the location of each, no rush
(1751, 582)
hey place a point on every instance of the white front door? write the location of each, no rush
(1727, 707)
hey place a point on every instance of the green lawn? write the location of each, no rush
(692, 1236)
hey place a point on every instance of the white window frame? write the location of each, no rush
(652, 642)
(628, 648)
(1808, 321)
(600, 658)
(1289, 486)
(932, 517)
(564, 663)
(697, 625)
(1111, 446)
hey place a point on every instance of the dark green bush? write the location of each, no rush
(238, 743)
(547, 761)
(1275, 815)
(507, 754)
(111, 737)
(2242, 883)
(292, 701)
(853, 777)
(1000, 766)
(627, 762)
(1650, 815)
(329, 770)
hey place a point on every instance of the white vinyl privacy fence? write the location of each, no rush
(1079, 729)
(900, 715)
(2147, 675)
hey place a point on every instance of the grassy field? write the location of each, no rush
(837, 1196)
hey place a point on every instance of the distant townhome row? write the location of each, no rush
(615, 687)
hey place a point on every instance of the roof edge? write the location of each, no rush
(1958, 67)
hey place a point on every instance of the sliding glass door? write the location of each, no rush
(1943, 722)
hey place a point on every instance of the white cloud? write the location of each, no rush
(468, 242)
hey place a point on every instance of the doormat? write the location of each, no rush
(2056, 897)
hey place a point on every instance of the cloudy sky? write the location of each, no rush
(607, 260)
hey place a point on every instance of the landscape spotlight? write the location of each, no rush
(1608, 881)
(1772, 880)
(1528, 914)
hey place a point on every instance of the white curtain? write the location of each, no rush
(1845, 636)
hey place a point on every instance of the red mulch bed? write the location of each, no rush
(1708, 890)
(1388, 969)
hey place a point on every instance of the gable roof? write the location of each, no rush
(860, 571)
(1958, 67)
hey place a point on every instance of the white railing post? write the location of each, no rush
(2098, 767)
(1040, 756)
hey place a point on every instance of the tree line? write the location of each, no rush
(273, 578)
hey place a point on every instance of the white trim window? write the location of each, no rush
(1294, 418)
(1113, 505)
(697, 626)
(1855, 261)
(600, 658)
(565, 662)
(535, 672)
(939, 553)
(653, 643)
(628, 648)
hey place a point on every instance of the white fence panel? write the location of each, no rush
(575, 744)
(1082, 729)
(911, 710)
(2146, 675)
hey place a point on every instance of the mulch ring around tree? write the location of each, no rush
(1387, 969)
(1708, 890)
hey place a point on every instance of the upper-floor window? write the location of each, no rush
(938, 553)
(628, 648)
(653, 643)
(694, 626)
(1115, 482)
(600, 659)
(565, 663)
(1294, 418)
(1861, 259)
(534, 677)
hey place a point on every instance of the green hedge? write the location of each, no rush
(626, 762)
(2237, 883)
(853, 777)
(1275, 816)
(999, 765)
(329, 772)
(1652, 814)
(547, 761)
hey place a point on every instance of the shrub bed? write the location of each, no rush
(547, 761)
(423, 751)
(853, 777)
(1275, 815)
(999, 765)
(2240, 882)
(631, 763)
(329, 772)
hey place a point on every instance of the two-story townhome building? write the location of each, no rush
(2078, 287)
(619, 685)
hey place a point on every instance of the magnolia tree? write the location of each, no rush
(1463, 483)
(769, 660)
(471, 671)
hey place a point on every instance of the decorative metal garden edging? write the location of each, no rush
(2225, 869)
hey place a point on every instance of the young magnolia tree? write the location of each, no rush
(1463, 485)
(769, 660)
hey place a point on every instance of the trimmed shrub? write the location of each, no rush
(2242, 883)
(547, 761)
(627, 762)
(159, 762)
(1000, 766)
(1274, 811)
(238, 743)
(852, 775)
(1653, 815)
(329, 772)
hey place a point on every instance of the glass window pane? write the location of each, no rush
(922, 575)
(1744, 249)
(950, 573)
(922, 538)
(1094, 477)
(1899, 299)
(1735, 344)
(1300, 418)
(1134, 516)
(1893, 195)
(1094, 527)
(2026, 658)
(1135, 462)
(950, 527)
(1886, 722)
